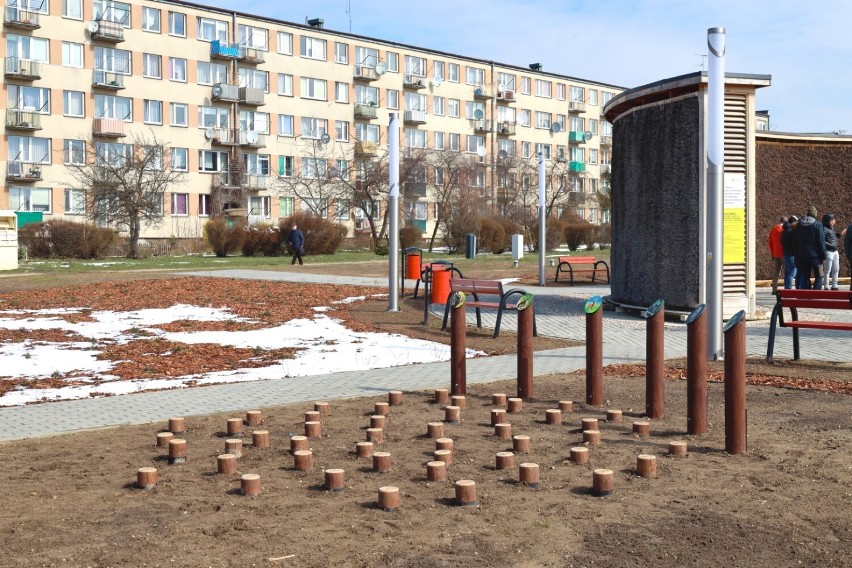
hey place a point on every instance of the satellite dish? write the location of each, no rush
(381, 68)
(252, 137)
(325, 138)
(555, 127)
(587, 136)
(437, 81)
(93, 27)
(209, 133)
(217, 91)
(478, 114)
(332, 172)
(502, 154)
(481, 151)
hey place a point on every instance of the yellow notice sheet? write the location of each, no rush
(734, 235)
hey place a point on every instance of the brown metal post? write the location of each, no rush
(594, 351)
(735, 385)
(696, 371)
(525, 346)
(458, 339)
(655, 394)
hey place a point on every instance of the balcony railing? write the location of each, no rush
(113, 127)
(482, 125)
(365, 73)
(253, 55)
(107, 80)
(413, 82)
(506, 127)
(255, 182)
(606, 140)
(576, 106)
(366, 148)
(414, 116)
(252, 139)
(25, 69)
(224, 136)
(21, 171)
(225, 92)
(15, 17)
(22, 120)
(576, 137)
(105, 30)
(220, 50)
(577, 167)
(481, 93)
(367, 112)
(251, 96)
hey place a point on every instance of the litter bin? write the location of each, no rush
(470, 248)
(8, 240)
(441, 275)
(413, 260)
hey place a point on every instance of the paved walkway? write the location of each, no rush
(559, 314)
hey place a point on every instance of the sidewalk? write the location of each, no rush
(559, 313)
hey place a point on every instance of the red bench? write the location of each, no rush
(581, 264)
(814, 299)
(477, 288)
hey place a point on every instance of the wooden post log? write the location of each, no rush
(389, 498)
(442, 396)
(696, 371)
(452, 414)
(435, 429)
(589, 424)
(254, 418)
(250, 484)
(234, 428)
(377, 421)
(613, 415)
(226, 464)
(646, 465)
(498, 399)
(313, 416)
(521, 444)
(458, 346)
(566, 406)
(445, 456)
(381, 462)
(334, 479)
(382, 408)
(655, 359)
(313, 429)
(529, 474)
(260, 439)
(503, 431)
(592, 437)
(504, 460)
(364, 449)
(465, 493)
(146, 478)
(395, 398)
(677, 449)
(177, 451)
(515, 405)
(498, 416)
(298, 443)
(322, 408)
(444, 444)
(642, 428)
(594, 354)
(163, 439)
(736, 427)
(580, 455)
(526, 325)
(603, 482)
(177, 425)
(303, 460)
(459, 400)
(436, 471)
(553, 416)
(376, 435)
(234, 446)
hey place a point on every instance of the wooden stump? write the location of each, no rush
(381, 462)
(334, 479)
(146, 478)
(313, 416)
(303, 460)
(678, 449)
(382, 408)
(234, 428)
(442, 396)
(322, 408)
(435, 429)
(250, 484)
(260, 439)
(177, 451)
(498, 399)
(445, 456)
(580, 455)
(234, 446)
(452, 414)
(521, 444)
(313, 429)
(515, 405)
(498, 416)
(375, 435)
(254, 418)
(589, 424)
(614, 415)
(592, 437)
(364, 449)
(465, 493)
(177, 425)
(503, 431)
(459, 400)
(566, 405)
(444, 444)
(298, 443)
(646, 465)
(389, 498)
(602, 482)
(436, 471)
(504, 460)
(163, 439)
(553, 416)
(226, 464)
(529, 474)
(642, 428)
(395, 398)
(377, 421)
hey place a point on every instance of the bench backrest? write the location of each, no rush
(817, 299)
(578, 259)
(472, 286)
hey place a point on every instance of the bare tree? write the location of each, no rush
(451, 176)
(126, 184)
(316, 180)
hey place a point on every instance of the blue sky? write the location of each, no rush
(805, 46)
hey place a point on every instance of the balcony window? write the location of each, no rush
(208, 29)
(29, 199)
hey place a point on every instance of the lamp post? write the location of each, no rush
(393, 213)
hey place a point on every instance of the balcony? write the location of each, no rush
(21, 19)
(107, 80)
(223, 136)
(238, 179)
(576, 137)
(20, 171)
(226, 51)
(577, 167)
(576, 107)
(104, 30)
(366, 148)
(251, 96)
(224, 92)
(366, 112)
(254, 182)
(414, 117)
(506, 128)
(413, 82)
(108, 127)
(22, 120)
(506, 96)
(606, 141)
(252, 139)
(253, 55)
(480, 93)
(482, 125)
(365, 73)
(22, 69)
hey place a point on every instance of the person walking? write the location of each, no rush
(296, 240)
(831, 265)
(776, 251)
(810, 250)
(789, 251)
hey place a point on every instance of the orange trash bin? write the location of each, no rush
(441, 276)
(412, 266)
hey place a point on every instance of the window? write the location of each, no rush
(151, 66)
(204, 205)
(180, 204)
(576, 124)
(455, 141)
(285, 206)
(507, 146)
(254, 78)
(341, 52)
(253, 38)
(341, 92)
(260, 206)
(505, 81)
(74, 152)
(415, 138)
(341, 128)
(367, 132)
(439, 140)
(213, 117)
(366, 56)
(72, 54)
(27, 48)
(542, 119)
(606, 97)
(578, 154)
(30, 99)
(438, 106)
(415, 66)
(72, 9)
(208, 29)
(180, 160)
(112, 60)
(313, 89)
(177, 24)
(73, 103)
(285, 84)
(475, 76)
(256, 164)
(577, 94)
(286, 125)
(393, 99)
(593, 125)
(112, 152)
(109, 106)
(593, 156)
(526, 150)
(454, 107)
(560, 91)
(179, 114)
(318, 207)
(365, 95)
(393, 62)
(524, 117)
(111, 11)
(474, 143)
(593, 97)
(525, 85)
(312, 48)
(286, 167)
(505, 114)
(341, 209)
(365, 207)
(75, 201)
(177, 69)
(313, 127)
(439, 175)
(543, 149)
(150, 20)
(438, 69)
(29, 199)
(543, 88)
(415, 101)
(560, 120)
(285, 43)
(471, 107)
(210, 161)
(253, 120)
(313, 168)
(212, 73)
(453, 75)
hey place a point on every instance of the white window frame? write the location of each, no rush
(341, 52)
(285, 43)
(313, 89)
(218, 161)
(150, 19)
(312, 48)
(38, 48)
(213, 117)
(152, 111)
(453, 73)
(393, 99)
(175, 161)
(74, 152)
(474, 76)
(253, 37)
(113, 60)
(175, 112)
(72, 9)
(176, 197)
(341, 92)
(68, 97)
(177, 20)
(313, 128)
(178, 69)
(147, 59)
(75, 201)
(285, 85)
(21, 199)
(283, 121)
(211, 73)
(543, 89)
(392, 59)
(72, 55)
(341, 129)
(453, 108)
(209, 29)
(109, 107)
(438, 140)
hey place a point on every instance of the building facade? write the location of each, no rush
(251, 108)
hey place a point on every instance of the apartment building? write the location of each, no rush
(242, 102)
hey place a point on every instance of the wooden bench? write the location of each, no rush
(475, 289)
(592, 265)
(815, 299)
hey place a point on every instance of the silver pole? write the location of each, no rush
(393, 213)
(715, 187)
(542, 230)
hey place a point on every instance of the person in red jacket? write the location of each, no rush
(777, 251)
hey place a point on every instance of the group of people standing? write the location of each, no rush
(805, 248)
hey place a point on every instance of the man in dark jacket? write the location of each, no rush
(296, 240)
(789, 250)
(810, 250)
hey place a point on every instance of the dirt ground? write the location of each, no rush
(71, 500)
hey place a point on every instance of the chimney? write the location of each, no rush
(316, 23)
(535, 66)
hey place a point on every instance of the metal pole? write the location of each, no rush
(594, 351)
(393, 213)
(696, 371)
(542, 229)
(715, 187)
(526, 324)
(655, 359)
(458, 339)
(735, 385)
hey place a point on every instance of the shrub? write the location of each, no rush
(321, 235)
(554, 229)
(577, 231)
(410, 236)
(222, 238)
(382, 247)
(66, 239)
(261, 240)
(36, 238)
(457, 229)
(604, 235)
(492, 236)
